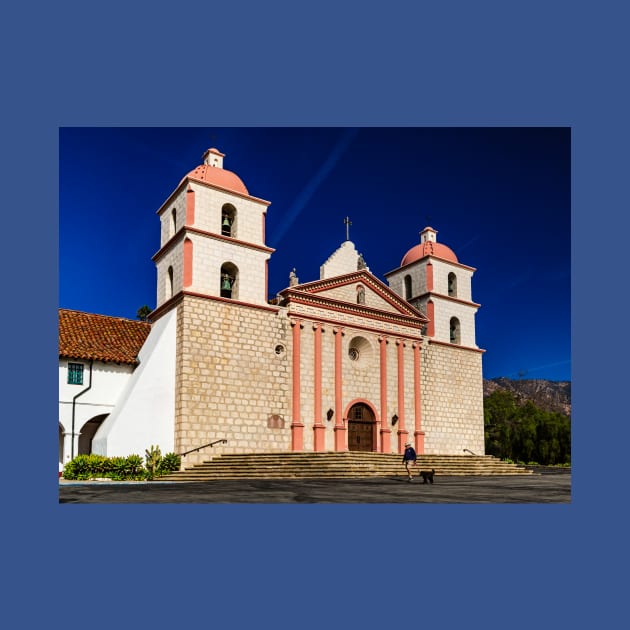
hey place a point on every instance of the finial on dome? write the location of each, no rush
(213, 157)
(428, 234)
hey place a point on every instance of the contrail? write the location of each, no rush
(309, 190)
(542, 367)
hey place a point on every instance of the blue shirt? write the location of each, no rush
(410, 454)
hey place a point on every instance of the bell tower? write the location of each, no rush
(212, 237)
(432, 279)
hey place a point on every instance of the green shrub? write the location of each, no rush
(170, 463)
(84, 467)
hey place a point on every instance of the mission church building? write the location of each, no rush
(343, 362)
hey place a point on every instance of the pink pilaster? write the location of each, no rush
(318, 426)
(385, 430)
(188, 263)
(429, 277)
(402, 431)
(418, 432)
(431, 317)
(297, 428)
(190, 206)
(340, 429)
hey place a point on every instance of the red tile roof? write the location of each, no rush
(100, 337)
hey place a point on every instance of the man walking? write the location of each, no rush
(409, 459)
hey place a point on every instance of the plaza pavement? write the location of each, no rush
(540, 487)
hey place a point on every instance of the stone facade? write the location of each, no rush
(233, 375)
(453, 399)
(345, 362)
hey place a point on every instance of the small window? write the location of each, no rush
(407, 287)
(173, 225)
(169, 288)
(452, 285)
(75, 373)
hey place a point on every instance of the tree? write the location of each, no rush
(143, 313)
(524, 432)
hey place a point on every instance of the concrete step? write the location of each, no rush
(338, 465)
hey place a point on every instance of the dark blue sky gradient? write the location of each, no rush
(499, 197)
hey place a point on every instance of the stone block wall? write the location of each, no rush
(452, 389)
(234, 379)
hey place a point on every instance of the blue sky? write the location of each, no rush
(499, 197)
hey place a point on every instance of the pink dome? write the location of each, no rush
(428, 248)
(219, 177)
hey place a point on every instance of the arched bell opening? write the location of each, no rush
(228, 220)
(455, 330)
(229, 281)
(452, 285)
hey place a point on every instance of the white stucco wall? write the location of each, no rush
(144, 414)
(107, 382)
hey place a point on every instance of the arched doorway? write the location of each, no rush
(87, 433)
(361, 428)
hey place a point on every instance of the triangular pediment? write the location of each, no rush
(345, 289)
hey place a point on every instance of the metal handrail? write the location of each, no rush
(467, 450)
(200, 447)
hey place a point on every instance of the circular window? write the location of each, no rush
(279, 349)
(360, 351)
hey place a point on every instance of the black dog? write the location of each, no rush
(427, 475)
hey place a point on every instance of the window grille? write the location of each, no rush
(75, 373)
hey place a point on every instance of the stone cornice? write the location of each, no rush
(187, 229)
(336, 326)
(448, 298)
(337, 306)
(178, 297)
(227, 191)
(454, 346)
(415, 262)
(367, 278)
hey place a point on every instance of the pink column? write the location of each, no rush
(297, 428)
(402, 431)
(385, 430)
(340, 429)
(429, 276)
(318, 426)
(188, 263)
(418, 433)
(431, 316)
(190, 206)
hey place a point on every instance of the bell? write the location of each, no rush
(226, 284)
(226, 222)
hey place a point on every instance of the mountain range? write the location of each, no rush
(554, 396)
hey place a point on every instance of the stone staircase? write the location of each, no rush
(338, 465)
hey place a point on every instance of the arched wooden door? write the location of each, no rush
(361, 428)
